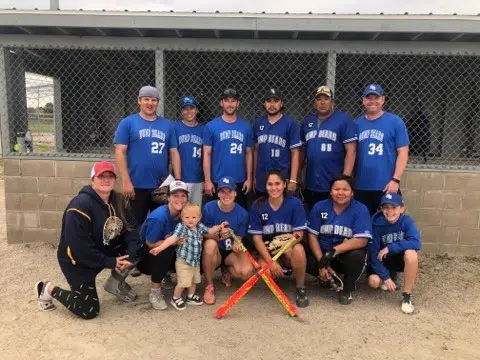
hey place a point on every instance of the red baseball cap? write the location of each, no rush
(101, 167)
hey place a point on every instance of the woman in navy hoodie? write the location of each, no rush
(393, 249)
(98, 232)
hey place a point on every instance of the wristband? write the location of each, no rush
(396, 180)
(293, 181)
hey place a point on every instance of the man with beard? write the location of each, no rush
(382, 154)
(277, 144)
(144, 145)
(329, 137)
(227, 149)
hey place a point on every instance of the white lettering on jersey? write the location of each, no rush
(336, 230)
(277, 228)
(155, 133)
(190, 138)
(322, 134)
(390, 238)
(272, 139)
(231, 134)
(371, 134)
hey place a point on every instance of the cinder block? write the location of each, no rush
(19, 184)
(469, 236)
(51, 220)
(13, 201)
(11, 167)
(30, 220)
(78, 184)
(460, 218)
(462, 181)
(443, 199)
(418, 180)
(40, 168)
(427, 217)
(14, 219)
(14, 235)
(413, 199)
(448, 249)
(83, 169)
(439, 234)
(57, 186)
(429, 248)
(469, 250)
(62, 202)
(471, 200)
(40, 235)
(65, 168)
(35, 202)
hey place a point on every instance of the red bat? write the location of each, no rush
(247, 286)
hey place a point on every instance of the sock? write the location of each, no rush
(176, 297)
(190, 296)
(45, 295)
(156, 290)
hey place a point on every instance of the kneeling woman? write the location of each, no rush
(98, 232)
(279, 214)
(342, 226)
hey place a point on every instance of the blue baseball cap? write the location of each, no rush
(373, 89)
(227, 182)
(394, 199)
(188, 101)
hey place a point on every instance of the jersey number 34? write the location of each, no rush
(373, 148)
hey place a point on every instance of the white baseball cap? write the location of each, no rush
(177, 185)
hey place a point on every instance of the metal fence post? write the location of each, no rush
(159, 80)
(5, 129)
(331, 70)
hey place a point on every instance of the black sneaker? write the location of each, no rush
(178, 304)
(407, 303)
(345, 297)
(167, 282)
(302, 299)
(194, 300)
(135, 272)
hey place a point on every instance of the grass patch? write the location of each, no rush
(36, 127)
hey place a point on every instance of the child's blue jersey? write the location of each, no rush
(190, 143)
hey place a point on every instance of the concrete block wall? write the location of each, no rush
(445, 205)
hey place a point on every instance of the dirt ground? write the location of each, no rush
(445, 325)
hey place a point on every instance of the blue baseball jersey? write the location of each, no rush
(229, 142)
(324, 143)
(190, 141)
(378, 141)
(275, 142)
(159, 225)
(148, 144)
(237, 220)
(288, 218)
(332, 228)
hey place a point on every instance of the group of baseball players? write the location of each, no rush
(234, 181)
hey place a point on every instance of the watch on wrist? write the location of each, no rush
(396, 180)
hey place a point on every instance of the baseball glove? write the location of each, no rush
(159, 195)
(277, 243)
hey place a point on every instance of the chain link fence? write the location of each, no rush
(72, 99)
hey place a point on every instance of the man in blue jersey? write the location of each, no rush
(190, 140)
(227, 149)
(144, 145)
(339, 229)
(382, 150)
(222, 251)
(277, 144)
(329, 137)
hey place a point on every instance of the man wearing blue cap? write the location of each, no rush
(393, 248)
(382, 150)
(222, 251)
(190, 141)
(145, 143)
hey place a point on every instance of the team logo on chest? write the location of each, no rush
(261, 127)
(310, 125)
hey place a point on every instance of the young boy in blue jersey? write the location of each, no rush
(190, 141)
(330, 140)
(144, 145)
(394, 248)
(382, 150)
(187, 264)
(227, 149)
(276, 214)
(277, 144)
(221, 250)
(339, 229)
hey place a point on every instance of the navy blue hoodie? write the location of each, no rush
(398, 237)
(83, 252)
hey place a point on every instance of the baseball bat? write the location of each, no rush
(247, 286)
(272, 285)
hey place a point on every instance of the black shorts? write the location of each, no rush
(224, 254)
(393, 263)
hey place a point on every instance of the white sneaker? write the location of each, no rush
(157, 300)
(407, 304)
(44, 299)
(383, 287)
